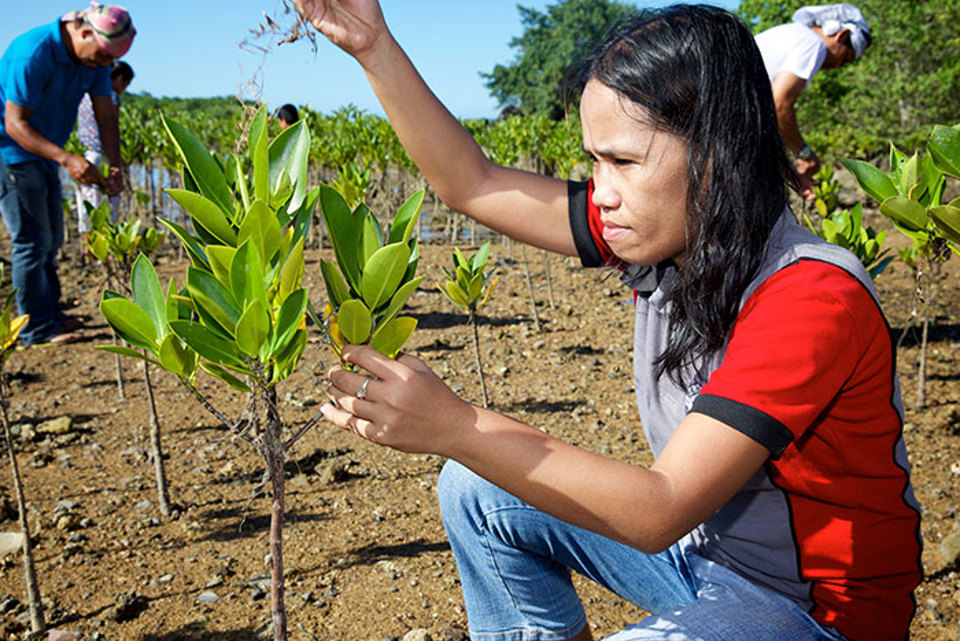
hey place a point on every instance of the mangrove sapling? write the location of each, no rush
(373, 276)
(116, 247)
(844, 227)
(468, 288)
(911, 196)
(241, 317)
(9, 332)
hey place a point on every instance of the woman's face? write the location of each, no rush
(640, 177)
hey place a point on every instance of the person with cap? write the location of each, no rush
(44, 73)
(819, 37)
(88, 133)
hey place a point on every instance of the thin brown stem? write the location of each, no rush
(156, 447)
(37, 623)
(476, 354)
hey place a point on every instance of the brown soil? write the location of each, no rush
(366, 556)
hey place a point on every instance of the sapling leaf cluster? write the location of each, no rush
(373, 275)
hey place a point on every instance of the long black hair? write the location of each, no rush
(696, 72)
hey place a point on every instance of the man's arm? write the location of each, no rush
(786, 90)
(108, 122)
(17, 125)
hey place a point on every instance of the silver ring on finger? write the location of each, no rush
(362, 390)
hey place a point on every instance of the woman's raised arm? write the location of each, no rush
(520, 204)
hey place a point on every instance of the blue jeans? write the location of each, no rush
(514, 564)
(32, 211)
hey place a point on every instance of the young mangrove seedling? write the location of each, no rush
(468, 288)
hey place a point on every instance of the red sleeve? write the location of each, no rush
(586, 225)
(794, 345)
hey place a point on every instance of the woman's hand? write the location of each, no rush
(404, 405)
(353, 25)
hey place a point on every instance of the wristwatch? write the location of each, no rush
(806, 153)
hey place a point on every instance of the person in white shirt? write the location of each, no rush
(819, 37)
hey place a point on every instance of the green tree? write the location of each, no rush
(908, 80)
(537, 81)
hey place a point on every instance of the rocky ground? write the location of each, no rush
(365, 551)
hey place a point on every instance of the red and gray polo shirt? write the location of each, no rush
(808, 371)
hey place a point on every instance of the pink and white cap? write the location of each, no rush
(111, 25)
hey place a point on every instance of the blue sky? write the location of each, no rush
(191, 49)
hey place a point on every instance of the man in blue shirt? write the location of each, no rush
(44, 73)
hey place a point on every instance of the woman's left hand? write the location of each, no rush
(403, 405)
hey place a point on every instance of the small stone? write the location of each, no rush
(65, 505)
(68, 522)
(950, 548)
(418, 634)
(10, 543)
(166, 578)
(208, 597)
(59, 425)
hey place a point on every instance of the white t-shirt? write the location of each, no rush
(791, 47)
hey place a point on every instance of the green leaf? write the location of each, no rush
(203, 169)
(289, 152)
(406, 218)
(343, 230)
(130, 322)
(147, 292)
(126, 351)
(281, 190)
(206, 214)
(259, 156)
(177, 358)
(225, 376)
(291, 275)
(207, 292)
(874, 182)
(242, 184)
(193, 246)
(476, 286)
(253, 328)
(289, 319)
(947, 220)
(393, 336)
(261, 226)
(479, 260)
(396, 303)
(459, 260)
(354, 321)
(371, 236)
(383, 273)
(910, 175)
(246, 274)
(221, 257)
(337, 289)
(288, 358)
(944, 146)
(207, 344)
(456, 295)
(908, 213)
